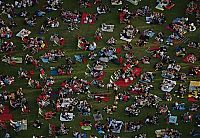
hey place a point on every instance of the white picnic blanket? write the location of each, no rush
(23, 33)
(114, 125)
(134, 2)
(125, 39)
(107, 27)
(116, 2)
(168, 87)
(70, 117)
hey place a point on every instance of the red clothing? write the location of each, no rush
(62, 41)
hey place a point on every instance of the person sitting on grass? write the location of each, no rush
(30, 21)
(102, 9)
(194, 71)
(146, 60)
(133, 126)
(110, 110)
(40, 13)
(194, 107)
(158, 66)
(34, 83)
(180, 51)
(132, 110)
(98, 34)
(49, 115)
(127, 47)
(37, 124)
(193, 44)
(53, 5)
(163, 109)
(7, 47)
(160, 37)
(85, 3)
(30, 60)
(1, 108)
(84, 108)
(36, 136)
(192, 8)
(25, 109)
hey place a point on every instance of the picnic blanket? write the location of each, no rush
(101, 97)
(113, 2)
(172, 120)
(84, 19)
(45, 60)
(116, 126)
(192, 99)
(134, 2)
(24, 125)
(163, 6)
(70, 117)
(107, 27)
(125, 83)
(160, 7)
(97, 117)
(121, 17)
(23, 33)
(53, 72)
(100, 77)
(13, 60)
(168, 85)
(125, 39)
(6, 116)
(86, 128)
(17, 60)
(190, 58)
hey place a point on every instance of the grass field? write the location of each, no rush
(70, 49)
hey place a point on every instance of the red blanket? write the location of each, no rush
(6, 116)
(83, 19)
(122, 83)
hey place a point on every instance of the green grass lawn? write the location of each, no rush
(70, 49)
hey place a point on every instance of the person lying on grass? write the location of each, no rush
(31, 60)
(167, 96)
(127, 47)
(53, 5)
(7, 47)
(84, 108)
(30, 21)
(132, 110)
(5, 32)
(133, 126)
(74, 85)
(193, 44)
(49, 115)
(34, 44)
(57, 40)
(125, 15)
(52, 22)
(122, 97)
(97, 70)
(141, 88)
(110, 109)
(152, 119)
(53, 55)
(129, 32)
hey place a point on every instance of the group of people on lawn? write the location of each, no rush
(65, 102)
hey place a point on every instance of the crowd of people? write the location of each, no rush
(68, 101)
